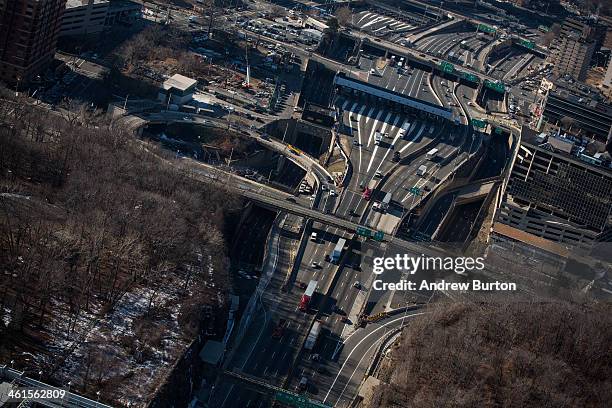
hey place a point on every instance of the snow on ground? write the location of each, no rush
(127, 343)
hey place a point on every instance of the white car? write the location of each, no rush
(332, 193)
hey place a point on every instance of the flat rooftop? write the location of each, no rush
(594, 147)
(582, 94)
(530, 239)
(79, 3)
(178, 81)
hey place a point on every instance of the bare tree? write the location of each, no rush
(567, 122)
(344, 16)
(277, 11)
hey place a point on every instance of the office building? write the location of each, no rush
(28, 37)
(558, 193)
(84, 17)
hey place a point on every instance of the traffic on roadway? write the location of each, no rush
(314, 323)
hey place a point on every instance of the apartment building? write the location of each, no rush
(576, 44)
(28, 37)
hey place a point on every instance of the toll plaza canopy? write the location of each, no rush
(342, 80)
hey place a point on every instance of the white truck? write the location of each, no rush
(377, 137)
(311, 340)
(384, 204)
(422, 170)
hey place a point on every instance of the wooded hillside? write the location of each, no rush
(110, 259)
(502, 355)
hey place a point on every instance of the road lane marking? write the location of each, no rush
(369, 115)
(361, 341)
(395, 139)
(415, 137)
(374, 126)
(359, 138)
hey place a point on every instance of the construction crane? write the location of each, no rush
(247, 80)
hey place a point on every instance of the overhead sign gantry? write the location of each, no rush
(495, 86)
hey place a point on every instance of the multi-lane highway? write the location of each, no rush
(386, 147)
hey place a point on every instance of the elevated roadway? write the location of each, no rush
(306, 162)
(71, 400)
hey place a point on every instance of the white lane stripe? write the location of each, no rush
(414, 81)
(382, 130)
(372, 158)
(414, 138)
(374, 126)
(359, 138)
(420, 185)
(361, 341)
(369, 23)
(364, 15)
(369, 115)
(395, 139)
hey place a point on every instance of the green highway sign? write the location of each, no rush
(415, 190)
(364, 232)
(486, 29)
(499, 131)
(379, 235)
(495, 86)
(297, 401)
(479, 123)
(447, 67)
(470, 77)
(527, 44)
